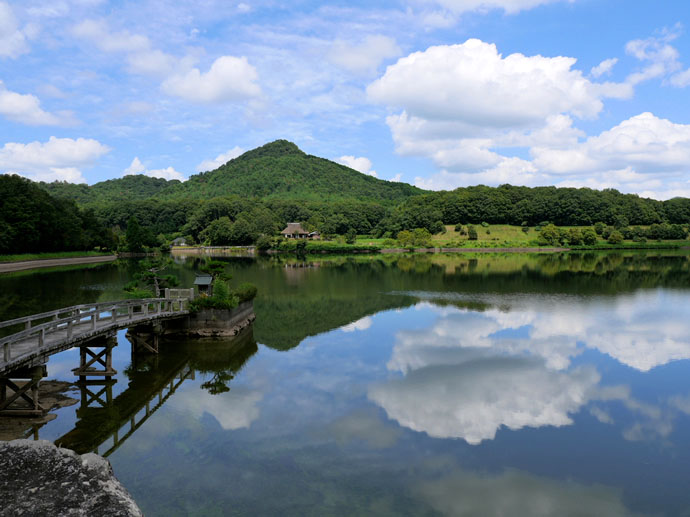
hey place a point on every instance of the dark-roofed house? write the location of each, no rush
(295, 231)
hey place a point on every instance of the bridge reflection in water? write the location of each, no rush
(105, 422)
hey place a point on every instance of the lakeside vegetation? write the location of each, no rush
(251, 198)
(32, 221)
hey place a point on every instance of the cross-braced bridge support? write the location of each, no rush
(96, 358)
(19, 392)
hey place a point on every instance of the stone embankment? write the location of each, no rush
(38, 478)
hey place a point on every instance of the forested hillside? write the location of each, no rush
(280, 170)
(33, 221)
(260, 191)
(128, 188)
(517, 205)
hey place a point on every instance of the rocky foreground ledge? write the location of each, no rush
(38, 478)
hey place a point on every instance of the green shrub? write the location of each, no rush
(615, 237)
(589, 237)
(485, 224)
(264, 243)
(222, 298)
(437, 228)
(245, 292)
(472, 233)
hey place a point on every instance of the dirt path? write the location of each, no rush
(32, 264)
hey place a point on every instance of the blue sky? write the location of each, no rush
(438, 93)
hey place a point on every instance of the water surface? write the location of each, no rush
(402, 385)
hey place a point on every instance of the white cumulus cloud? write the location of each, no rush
(466, 106)
(137, 167)
(221, 159)
(645, 143)
(361, 164)
(58, 159)
(472, 83)
(229, 79)
(26, 109)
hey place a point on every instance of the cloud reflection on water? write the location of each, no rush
(236, 409)
(470, 373)
(516, 493)
(472, 399)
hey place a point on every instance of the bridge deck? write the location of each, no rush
(71, 326)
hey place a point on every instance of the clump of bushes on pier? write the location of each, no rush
(223, 297)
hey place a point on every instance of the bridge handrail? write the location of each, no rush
(85, 306)
(84, 311)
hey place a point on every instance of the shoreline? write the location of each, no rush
(9, 267)
(250, 250)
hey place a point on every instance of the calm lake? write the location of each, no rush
(481, 384)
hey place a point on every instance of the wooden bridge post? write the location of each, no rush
(88, 359)
(26, 392)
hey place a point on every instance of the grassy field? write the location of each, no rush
(507, 236)
(493, 236)
(56, 255)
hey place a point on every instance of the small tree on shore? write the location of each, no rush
(615, 237)
(351, 236)
(589, 237)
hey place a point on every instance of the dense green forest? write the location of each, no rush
(260, 191)
(127, 188)
(33, 221)
(278, 170)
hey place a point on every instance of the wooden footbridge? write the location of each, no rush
(24, 353)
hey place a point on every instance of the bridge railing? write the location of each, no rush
(84, 318)
(180, 293)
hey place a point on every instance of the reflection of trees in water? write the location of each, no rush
(218, 383)
(222, 359)
(347, 288)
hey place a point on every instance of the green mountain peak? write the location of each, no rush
(276, 149)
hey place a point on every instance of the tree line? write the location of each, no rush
(32, 221)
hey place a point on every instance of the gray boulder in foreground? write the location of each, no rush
(38, 478)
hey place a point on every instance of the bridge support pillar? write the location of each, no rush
(145, 338)
(96, 359)
(21, 398)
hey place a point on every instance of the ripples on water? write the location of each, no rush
(418, 385)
